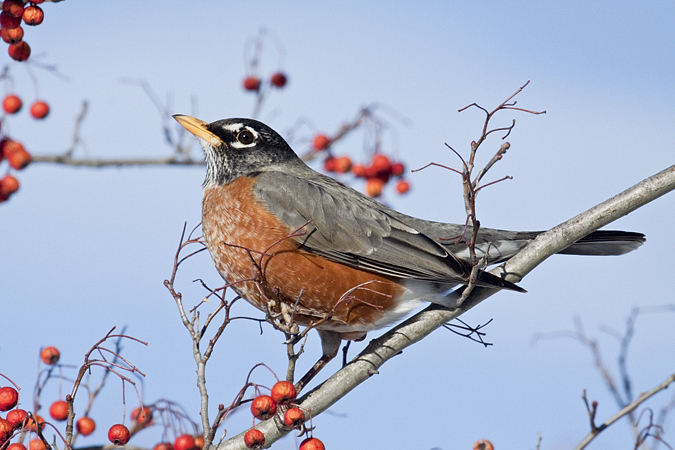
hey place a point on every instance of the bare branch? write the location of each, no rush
(76, 132)
(65, 159)
(627, 410)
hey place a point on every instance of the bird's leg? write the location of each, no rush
(345, 349)
(311, 373)
(330, 344)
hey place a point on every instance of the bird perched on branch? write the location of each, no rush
(280, 232)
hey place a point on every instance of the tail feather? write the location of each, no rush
(598, 243)
(606, 243)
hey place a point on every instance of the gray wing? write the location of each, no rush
(347, 227)
(350, 228)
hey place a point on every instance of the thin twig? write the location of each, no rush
(625, 411)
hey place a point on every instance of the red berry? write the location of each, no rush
(85, 426)
(343, 164)
(263, 407)
(402, 186)
(380, 167)
(8, 185)
(330, 164)
(13, 7)
(254, 439)
(163, 446)
(19, 51)
(374, 187)
(397, 169)
(33, 15)
(312, 444)
(19, 159)
(279, 80)
(6, 430)
(50, 355)
(37, 444)
(12, 36)
(8, 146)
(59, 410)
(8, 398)
(294, 417)
(283, 392)
(15, 153)
(381, 163)
(118, 434)
(8, 21)
(483, 444)
(199, 442)
(372, 172)
(12, 104)
(16, 446)
(145, 415)
(39, 109)
(184, 442)
(359, 170)
(31, 424)
(16, 417)
(320, 142)
(37, 2)
(251, 83)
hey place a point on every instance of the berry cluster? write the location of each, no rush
(20, 421)
(253, 52)
(264, 407)
(13, 151)
(377, 172)
(253, 83)
(13, 13)
(182, 442)
(59, 409)
(119, 434)
(380, 169)
(12, 104)
(17, 421)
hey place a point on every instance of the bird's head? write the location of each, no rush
(238, 147)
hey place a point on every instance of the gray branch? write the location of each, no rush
(627, 410)
(68, 161)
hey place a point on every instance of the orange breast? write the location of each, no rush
(252, 251)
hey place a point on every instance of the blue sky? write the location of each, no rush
(85, 249)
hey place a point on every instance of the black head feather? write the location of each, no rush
(248, 147)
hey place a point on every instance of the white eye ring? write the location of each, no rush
(245, 137)
(242, 135)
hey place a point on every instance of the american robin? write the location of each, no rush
(280, 232)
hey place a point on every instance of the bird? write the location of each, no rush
(282, 234)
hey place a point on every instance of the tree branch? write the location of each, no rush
(627, 410)
(65, 159)
(420, 325)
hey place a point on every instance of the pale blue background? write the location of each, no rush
(85, 249)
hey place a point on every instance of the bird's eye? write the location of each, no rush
(245, 137)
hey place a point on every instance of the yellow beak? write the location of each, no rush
(198, 128)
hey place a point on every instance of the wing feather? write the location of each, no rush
(355, 230)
